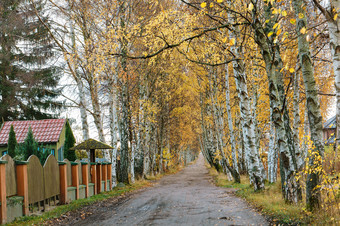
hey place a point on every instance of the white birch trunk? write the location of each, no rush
(272, 153)
(113, 133)
(271, 56)
(231, 128)
(313, 195)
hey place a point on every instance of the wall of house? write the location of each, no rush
(2, 149)
(60, 144)
(327, 133)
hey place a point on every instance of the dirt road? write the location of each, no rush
(185, 198)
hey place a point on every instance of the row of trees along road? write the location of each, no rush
(233, 79)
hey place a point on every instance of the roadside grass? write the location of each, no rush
(78, 204)
(271, 203)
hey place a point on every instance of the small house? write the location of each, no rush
(329, 129)
(49, 133)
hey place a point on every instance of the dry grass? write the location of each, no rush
(271, 203)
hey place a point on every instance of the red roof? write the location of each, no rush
(44, 131)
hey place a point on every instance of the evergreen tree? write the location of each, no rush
(28, 80)
(69, 143)
(30, 145)
(12, 142)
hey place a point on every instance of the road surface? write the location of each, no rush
(186, 198)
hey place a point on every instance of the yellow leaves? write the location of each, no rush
(232, 41)
(335, 17)
(224, 40)
(279, 31)
(276, 11)
(303, 30)
(301, 16)
(284, 13)
(291, 70)
(219, 1)
(211, 5)
(275, 25)
(250, 7)
(292, 21)
(203, 4)
(270, 34)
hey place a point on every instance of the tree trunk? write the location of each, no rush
(236, 173)
(272, 153)
(271, 56)
(313, 194)
(113, 132)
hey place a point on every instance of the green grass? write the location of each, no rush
(77, 204)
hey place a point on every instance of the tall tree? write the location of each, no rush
(12, 142)
(313, 194)
(69, 143)
(28, 80)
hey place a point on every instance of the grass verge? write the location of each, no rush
(78, 204)
(271, 203)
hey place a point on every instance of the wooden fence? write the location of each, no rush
(27, 187)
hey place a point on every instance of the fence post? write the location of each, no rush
(109, 176)
(75, 177)
(99, 178)
(22, 184)
(85, 175)
(3, 200)
(63, 182)
(94, 177)
(104, 166)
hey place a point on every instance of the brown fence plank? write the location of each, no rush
(35, 178)
(51, 177)
(11, 182)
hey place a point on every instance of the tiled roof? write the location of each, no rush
(330, 123)
(44, 131)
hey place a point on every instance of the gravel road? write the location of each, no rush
(186, 198)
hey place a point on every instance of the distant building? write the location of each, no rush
(329, 129)
(50, 133)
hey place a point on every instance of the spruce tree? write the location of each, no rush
(30, 145)
(69, 143)
(28, 79)
(12, 142)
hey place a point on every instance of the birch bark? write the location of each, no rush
(271, 56)
(313, 195)
(236, 173)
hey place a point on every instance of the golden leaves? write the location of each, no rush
(250, 7)
(292, 21)
(303, 30)
(203, 4)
